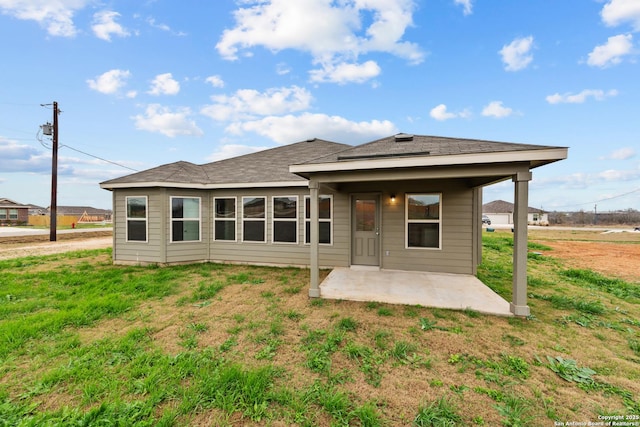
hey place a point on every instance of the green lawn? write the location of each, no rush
(83, 342)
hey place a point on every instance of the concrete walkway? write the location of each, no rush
(453, 291)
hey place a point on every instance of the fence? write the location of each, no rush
(43, 220)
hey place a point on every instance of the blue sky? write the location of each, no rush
(151, 82)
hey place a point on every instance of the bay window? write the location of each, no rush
(185, 219)
(224, 218)
(136, 219)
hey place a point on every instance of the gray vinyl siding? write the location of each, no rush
(456, 252)
(151, 251)
(454, 256)
(273, 253)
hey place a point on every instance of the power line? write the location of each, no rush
(601, 200)
(99, 158)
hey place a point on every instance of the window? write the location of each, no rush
(3, 214)
(285, 219)
(423, 214)
(254, 219)
(224, 218)
(13, 214)
(185, 219)
(325, 215)
(136, 219)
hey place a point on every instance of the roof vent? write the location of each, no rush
(311, 139)
(403, 137)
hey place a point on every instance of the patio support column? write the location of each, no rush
(519, 305)
(314, 265)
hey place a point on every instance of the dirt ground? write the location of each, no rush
(616, 255)
(613, 254)
(11, 249)
(610, 259)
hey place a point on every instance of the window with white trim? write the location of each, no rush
(13, 214)
(423, 218)
(136, 218)
(224, 219)
(284, 219)
(3, 214)
(185, 219)
(325, 219)
(254, 219)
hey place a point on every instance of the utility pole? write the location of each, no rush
(53, 210)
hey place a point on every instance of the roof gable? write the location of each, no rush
(8, 203)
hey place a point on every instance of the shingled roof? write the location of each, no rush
(501, 206)
(267, 166)
(405, 145)
(290, 165)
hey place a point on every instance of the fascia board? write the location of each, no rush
(198, 186)
(552, 154)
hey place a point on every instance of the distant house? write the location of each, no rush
(403, 202)
(13, 213)
(84, 213)
(501, 212)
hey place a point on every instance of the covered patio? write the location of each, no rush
(440, 290)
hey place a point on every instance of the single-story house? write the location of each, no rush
(403, 202)
(13, 213)
(501, 212)
(84, 213)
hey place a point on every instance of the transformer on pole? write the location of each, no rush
(52, 130)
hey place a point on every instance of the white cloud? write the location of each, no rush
(282, 69)
(105, 25)
(162, 120)
(346, 73)
(440, 113)
(579, 98)
(20, 158)
(516, 55)
(466, 6)
(623, 154)
(615, 12)
(497, 110)
(55, 16)
(611, 53)
(228, 151)
(617, 175)
(332, 32)
(164, 84)
(215, 81)
(109, 82)
(290, 128)
(164, 27)
(249, 103)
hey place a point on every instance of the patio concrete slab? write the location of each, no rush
(452, 291)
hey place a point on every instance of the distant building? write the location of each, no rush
(501, 212)
(13, 213)
(84, 213)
